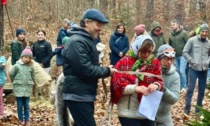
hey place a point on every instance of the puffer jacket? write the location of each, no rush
(22, 77)
(171, 82)
(197, 53)
(81, 66)
(118, 43)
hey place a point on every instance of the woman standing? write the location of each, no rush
(42, 50)
(127, 89)
(118, 44)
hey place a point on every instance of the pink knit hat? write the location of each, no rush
(139, 29)
(27, 52)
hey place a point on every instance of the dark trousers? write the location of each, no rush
(136, 122)
(193, 75)
(82, 112)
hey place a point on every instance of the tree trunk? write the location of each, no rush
(149, 13)
(138, 11)
(192, 8)
(1, 26)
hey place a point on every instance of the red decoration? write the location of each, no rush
(4, 2)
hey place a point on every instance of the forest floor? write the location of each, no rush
(42, 112)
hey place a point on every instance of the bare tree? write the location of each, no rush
(149, 13)
(1, 26)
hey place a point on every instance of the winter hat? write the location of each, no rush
(94, 14)
(65, 40)
(66, 21)
(136, 45)
(139, 29)
(204, 27)
(155, 24)
(27, 52)
(165, 50)
(19, 31)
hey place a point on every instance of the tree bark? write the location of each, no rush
(1, 26)
(149, 13)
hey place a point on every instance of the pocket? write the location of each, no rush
(30, 82)
(206, 50)
(17, 82)
(196, 48)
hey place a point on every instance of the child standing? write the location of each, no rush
(22, 76)
(2, 81)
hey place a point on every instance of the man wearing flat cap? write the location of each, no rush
(196, 52)
(81, 68)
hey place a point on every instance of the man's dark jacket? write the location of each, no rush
(81, 66)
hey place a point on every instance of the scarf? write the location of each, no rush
(142, 64)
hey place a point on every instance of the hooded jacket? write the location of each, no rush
(159, 40)
(81, 67)
(197, 53)
(171, 82)
(22, 76)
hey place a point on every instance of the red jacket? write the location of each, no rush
(120, 80)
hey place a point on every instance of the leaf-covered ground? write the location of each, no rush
(42, 112)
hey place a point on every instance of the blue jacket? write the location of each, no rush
(2, 71)
(118, 43)
(62, 33)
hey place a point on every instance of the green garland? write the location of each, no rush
(140, 62)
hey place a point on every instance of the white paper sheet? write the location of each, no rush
(149, 105)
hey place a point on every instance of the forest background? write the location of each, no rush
(48, 15)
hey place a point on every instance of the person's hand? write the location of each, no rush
(3, 64)
(142, 89)
(41, 65)
(121, 54)
(112, 70)
(152, 87)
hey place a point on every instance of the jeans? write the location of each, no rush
(135, 122)
(82, 112)
(181, 63)
(193, 75)
(23, 103)
(208, 75)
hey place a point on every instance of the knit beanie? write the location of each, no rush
(139, 29)
(204, 27)
(27, 52)
(65, 40)
(165, 50)
(19, 31)
(136, 45)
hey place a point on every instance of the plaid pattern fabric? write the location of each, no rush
(120, 80)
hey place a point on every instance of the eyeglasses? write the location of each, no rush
(144, 52)
(168, 58)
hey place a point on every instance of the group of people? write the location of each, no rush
(147, 54)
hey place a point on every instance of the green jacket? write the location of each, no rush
(16, 49)
(178, 40)
(22, 76)
(158, 39)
